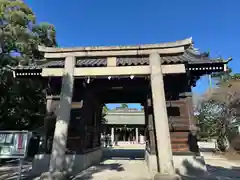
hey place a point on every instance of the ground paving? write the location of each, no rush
(10, 170)
(126, 162)
(217, 165)
(121, 162)
(116, 170)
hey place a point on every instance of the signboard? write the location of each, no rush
(13, 144)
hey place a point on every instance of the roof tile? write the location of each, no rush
(187, 57)
(95, 62)
(190, 56)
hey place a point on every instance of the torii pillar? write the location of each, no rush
(166, 169)
(57, 167)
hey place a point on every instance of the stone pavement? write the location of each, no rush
(10, 170)
(127, 162)
(116, 170)
(223, 169)
(218, 166)
(120, 163)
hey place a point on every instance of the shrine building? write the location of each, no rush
(126, 123)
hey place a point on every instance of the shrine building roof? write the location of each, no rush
(125, 116)
(127, 111)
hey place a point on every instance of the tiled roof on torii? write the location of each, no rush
(189, 56)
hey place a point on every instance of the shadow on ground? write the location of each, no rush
(214, 172)
(9, 170)
(88, 174)
(192, 173)
(123, 154)
(111, 154)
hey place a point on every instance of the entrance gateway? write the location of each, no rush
(159, 76)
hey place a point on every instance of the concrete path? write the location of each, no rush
(127, 162)
(223, 169)
(120, 163)
(10, 170)
(217, 165)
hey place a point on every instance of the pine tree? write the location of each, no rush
(22, 103)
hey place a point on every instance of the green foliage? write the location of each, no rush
(124, 105)
(104, 113)
(104, 120)
(213, 122)
(223, 77)
(207, 119)
(217, 115)
(22, 104)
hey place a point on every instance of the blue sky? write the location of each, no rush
(213, 24)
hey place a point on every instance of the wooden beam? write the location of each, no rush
(86, 53)
(114, 71)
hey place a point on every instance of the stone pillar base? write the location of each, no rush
(159, 176)
(74, 163)
(54, 176)
(185, 165)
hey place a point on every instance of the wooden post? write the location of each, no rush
(46, 123)
(151, 126)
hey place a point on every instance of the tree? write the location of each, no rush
(217, 115)
(104, 113)
(124, 106)
(104, 120)
(213, 122)
(22, 103)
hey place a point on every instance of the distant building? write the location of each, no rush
(126, 123)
